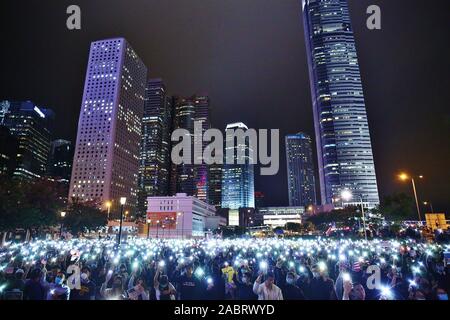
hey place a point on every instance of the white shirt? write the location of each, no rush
(265, 293)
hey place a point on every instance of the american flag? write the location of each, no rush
(356, 267)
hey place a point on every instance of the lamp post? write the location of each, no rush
(149, 222)
(182, 224)
(108, 207)
(347, 196)
(431, 205)
(63, 214)
(157, 229)
(404, 177)
(123, 200)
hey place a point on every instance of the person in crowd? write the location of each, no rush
(267, 290)
(136, 288)
(322, 287)
(58, 290)
(215, 284)
(87, 289)
(189, 285)
(353, 291)
(228, 275)
(116, 291)
(34, 288)
(245, 287)
(164, 289)
(280, 274)
(291, 291)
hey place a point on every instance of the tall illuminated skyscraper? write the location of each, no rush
(215, 185)
(155, 145)
(300, 170)
(342, 133)
(106, 160)
(191, 179)
(238, 190)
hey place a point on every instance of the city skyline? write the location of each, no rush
(391, 154)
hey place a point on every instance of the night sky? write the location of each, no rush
(249, 56)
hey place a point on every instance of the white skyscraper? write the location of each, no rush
(106, 159)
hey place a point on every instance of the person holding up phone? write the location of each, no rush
(164, 289)
(267, 290)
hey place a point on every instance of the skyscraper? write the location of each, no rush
(61, 157)
(342, 133)
(191, 179)
(106, 161)
(201, 172)
(238, 189)
(31, 125)
(215, 185)
(8, 152)
(300, 170)
(155, 146)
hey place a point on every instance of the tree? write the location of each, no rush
(31, 205)
(397, 207)
(294, 227)
(84, 216)
(337, 216)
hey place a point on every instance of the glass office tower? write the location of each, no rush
(342, 133)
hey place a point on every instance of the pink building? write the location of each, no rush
(180, 216)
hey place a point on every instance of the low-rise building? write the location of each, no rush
(180, 216)
(279, 216)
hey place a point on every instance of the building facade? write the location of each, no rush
(154, 167)
(215, 185)
(31, 126)
(192, 179)
(8, 152)
(106, 160)
(180, 216)
(300, 170)
(342, 133)
(61, 157)
(279, 216)
(238, 190)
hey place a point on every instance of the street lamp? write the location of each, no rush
(157, 229)
(182, 224)
(347, 196)
(123, 200)
(431, 205)
(149, 222)
(404, 177)
(108, 206)
(63, 214)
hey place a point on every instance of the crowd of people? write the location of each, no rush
(225, 269)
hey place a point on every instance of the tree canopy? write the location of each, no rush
(29, 204)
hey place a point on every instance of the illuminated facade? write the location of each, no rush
(342, 133)
(31, 126)
(215, 185)
(154, 167)
(238, 190)
(300, 170)
(61, 157)
(279, 216)
(106, 159)
(192, 179)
